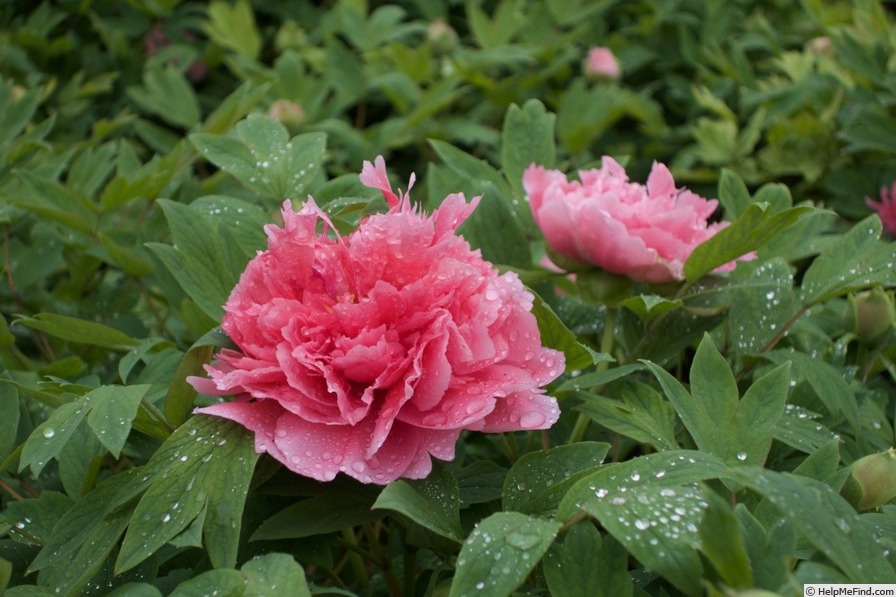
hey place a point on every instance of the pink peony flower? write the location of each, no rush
(368, 354)
(886, 208)
(643, 232)
(602, 63)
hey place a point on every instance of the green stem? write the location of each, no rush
(606, 346)
(354, 558)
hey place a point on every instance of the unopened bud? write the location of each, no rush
(442, 37)
(870, 315)
(872, 481)
(289, 113)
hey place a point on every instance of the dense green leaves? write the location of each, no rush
(204, 470)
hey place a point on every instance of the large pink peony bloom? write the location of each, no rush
(886, 208)
(369, 353)
(643, 232)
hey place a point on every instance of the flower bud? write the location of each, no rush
(870, 315)
(602, 64)
(872, 481)
(442, 37)
(289, 113)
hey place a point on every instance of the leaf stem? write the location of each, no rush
(607, 342)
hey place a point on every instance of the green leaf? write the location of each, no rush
(500, 552)
(52, 200)
(9, 425)
(318, 515)
(755, 227)
(469, 167)
(770, 551)
(433, 502)
(264, 158)
(855, 260)
(652, 506)
(81, 331)
(735, 430)
(538, 480)
(554, 334)
(648, 306)
(233, 26)
(207, 462)
(195, 259)
(167, 93)
(733, 194)
(586, 565)
(64, 561)
(761, 305)
(270, 574)
(636, 411)
(826, 380)
(722, 543)
(224, 582)
(112, 411)
(825, 519)
(527, 138)
(511, 247)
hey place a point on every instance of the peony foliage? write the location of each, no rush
(632, 333)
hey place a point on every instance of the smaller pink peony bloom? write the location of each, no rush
(601, 63)
(643, 232)
(886, 208)
(370, 353)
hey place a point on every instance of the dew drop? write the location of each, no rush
(49, 432)
(741, 456)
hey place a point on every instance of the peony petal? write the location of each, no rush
(523, 410)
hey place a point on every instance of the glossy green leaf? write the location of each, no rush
(270, 574)
(224, 582)
(637, 411)
(113, 409)
(756, 226)
(167, 93)
(433, 502)
(733, 194)
(500, 552)
(538, 480)
(648, 507)
(587, 565)
(825, 519)
(554, 334)
(263, 157)
(648, 306)
(853, 261)
(80, 331)
(195, 259)
(233, 27)
(65, 562)
(318, 515)
(735, 430)
(722, 544)
(527, 138)
(207, 462)
(761, 305)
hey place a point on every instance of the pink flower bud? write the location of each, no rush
(602, 64)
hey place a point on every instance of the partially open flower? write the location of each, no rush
(369, 353)
(643, 232)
